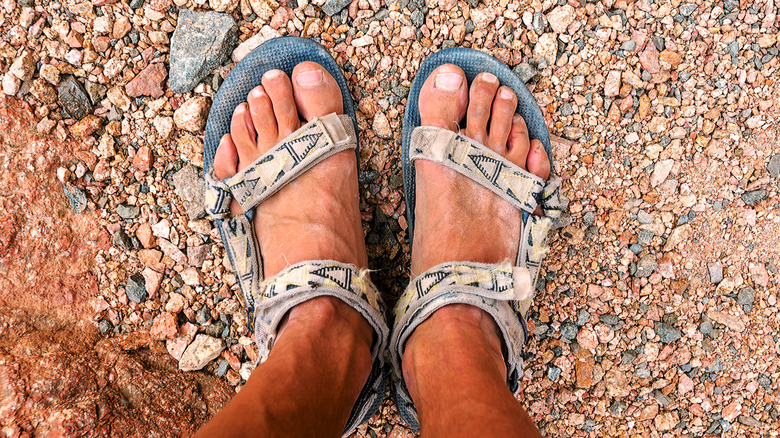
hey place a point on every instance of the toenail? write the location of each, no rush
(258, 92)
(272, 73)
(448, 81)
(506, 94)
(309, 78)
(489, 77)
(516, 118)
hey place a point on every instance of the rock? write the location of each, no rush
(175, 303)
(587, 339)
(649, 58)
(685, 384)
(77, 198)
(332, 7)
(191, 276)
(163, 126)
(669, 60)
(381, 125)
(547, 48)
(144, 235)
(678, 235)
(573, 132)
(191, 149)
(223, 5)
(731, 411)
(200, 352)
(95, 91)
(666, 421)
(753, 197)
(128, 211)
(152, 279)
(612, 84)
(687, 9)
(118, 97)
(121, 27)
(745, 298)
(733, 322)
(190, 187)
(176, 347)
(666, 333)
(661, 172)
(560, 18)
(11, 84)
(173, 252)
(50, 73)
(149, 82)
(201, 42)
(143, 159)
(23, 66)
(192, 115)
(136, 289)
(646, 266)
(525, 71)
(266, 33)
(164, 327)
(73, 98)
(716, 272)
(86, 126)
(196, 255)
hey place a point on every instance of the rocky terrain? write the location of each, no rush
(656, 313)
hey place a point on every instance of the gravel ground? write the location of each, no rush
(656, 312)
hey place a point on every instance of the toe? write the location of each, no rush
(226, 165)
(538, 162)
(243, 134)
(504, 106)
(518, 143)
(279, 88)
(481, 95)
(263, 119)
(316, 92)
(444, 97)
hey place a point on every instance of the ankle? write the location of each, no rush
(327, 314)
(459, 336)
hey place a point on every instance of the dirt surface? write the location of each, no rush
(58, 375)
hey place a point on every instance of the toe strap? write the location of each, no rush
(503, 291)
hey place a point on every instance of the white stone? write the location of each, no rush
(243, 49)
(200, 352)
(660, 172)
(547, 48)
(560, 18)
(163, 125)
(363, 41)
(10, 84)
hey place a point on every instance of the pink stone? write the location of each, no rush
(148, 82)
(587, 339)
(144, 235)
(731, 411)
(164, 326)
(685, 385)
(143, 159)
(649, 59)
(152, 281)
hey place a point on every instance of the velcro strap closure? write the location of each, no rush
(501, 282)
(297, 153)
(479, 163)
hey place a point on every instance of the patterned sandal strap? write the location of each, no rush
(297, 153)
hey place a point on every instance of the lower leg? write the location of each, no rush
(311, 380)
(460, 344)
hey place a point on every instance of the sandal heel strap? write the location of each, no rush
(304, 281)
(504, 291)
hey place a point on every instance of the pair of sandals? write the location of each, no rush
(503, 290)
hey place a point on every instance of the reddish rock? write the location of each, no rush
(152, 281)
(649, 58)
(144, 235)
(164, 326)
(86, 126)
(143, 159)
(149, 82)
(102, 170)
(670, 60)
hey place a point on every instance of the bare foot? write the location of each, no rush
(316, 216)
(457, 219)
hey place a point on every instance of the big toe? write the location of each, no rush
(444, 97)
(316, 92)
(226, 165)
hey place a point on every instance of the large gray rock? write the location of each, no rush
(73, 98)
(201, 42)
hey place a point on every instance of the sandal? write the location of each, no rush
(505, 291)
(268, 300)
